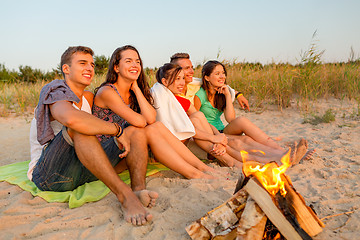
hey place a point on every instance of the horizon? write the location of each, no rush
(35, 34)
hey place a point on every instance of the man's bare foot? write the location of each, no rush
(308, 154)
(147, 198)
(134, 212)
(299, 151)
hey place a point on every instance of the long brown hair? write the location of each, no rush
(111, 77)
(169, 71)
(208, 68)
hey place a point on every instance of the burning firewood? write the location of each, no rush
(266, 202)
(252, 222)
(220, 221)
(265, 193)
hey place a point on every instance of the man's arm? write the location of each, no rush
(244, 104)
(80, 121)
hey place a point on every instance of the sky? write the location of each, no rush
(36, 33)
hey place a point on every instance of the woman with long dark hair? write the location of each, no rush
(125, 98)
(214, 99)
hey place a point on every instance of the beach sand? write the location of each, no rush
(330, 182)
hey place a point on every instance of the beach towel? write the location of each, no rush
(170, 112)
(89, 192)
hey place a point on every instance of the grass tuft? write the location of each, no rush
(328, 117)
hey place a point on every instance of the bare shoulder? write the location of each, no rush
(106, 97)
(197, 102)
(105, 91)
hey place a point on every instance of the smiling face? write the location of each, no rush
(188, 69)
(217, 77)
(177, 86)
(80, 71)
(129, 66)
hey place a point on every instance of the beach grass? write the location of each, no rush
(279, 84)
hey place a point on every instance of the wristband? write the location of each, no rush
(238, 94)
(119, 130)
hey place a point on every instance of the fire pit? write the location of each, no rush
(265, 206)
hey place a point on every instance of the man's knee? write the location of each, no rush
(135, 134)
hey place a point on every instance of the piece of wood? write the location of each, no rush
(252, 223)
(240, 182)
(285, 209)
(256, 232)
(307, 219)
(335, 215)
(229, 234)
(197, 231)
(219, 220)
(265, 201)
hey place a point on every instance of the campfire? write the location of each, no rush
(265, 206)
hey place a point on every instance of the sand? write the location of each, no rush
(330, 182)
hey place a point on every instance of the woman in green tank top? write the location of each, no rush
(214, 99)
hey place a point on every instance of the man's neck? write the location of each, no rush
(76, 88)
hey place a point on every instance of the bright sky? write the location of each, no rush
(37, 32)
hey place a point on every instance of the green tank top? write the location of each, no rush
(212, 114)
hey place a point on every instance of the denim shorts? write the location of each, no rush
(59, 168)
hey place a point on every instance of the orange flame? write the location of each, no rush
(268, 175)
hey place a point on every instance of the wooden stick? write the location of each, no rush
(302, 212)
(265, 201)
(251, 216)
(335, 215)
(252, 222)
(219, 220)
(306, 217)
(256, 232)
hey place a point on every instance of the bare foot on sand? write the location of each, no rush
(134, 212)
(147, 198)
(301, 152)
(308, 154)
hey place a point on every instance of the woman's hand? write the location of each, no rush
(220, 138)
(218, 149)
(224, 90)
(134, 86)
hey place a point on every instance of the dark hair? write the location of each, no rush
(112, 76)
(174, 58)
(169, 71)
(67, 55)
(208, 68)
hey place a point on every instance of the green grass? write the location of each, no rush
(278, 84)
(329, 116)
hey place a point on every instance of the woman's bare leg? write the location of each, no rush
(242, 125)
(177, 146)
(167, 151)
(247, 143)
(200, 123)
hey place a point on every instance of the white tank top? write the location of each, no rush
(36, 147)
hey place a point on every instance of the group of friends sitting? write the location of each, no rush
(78, 136)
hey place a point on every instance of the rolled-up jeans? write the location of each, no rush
(59, 169)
